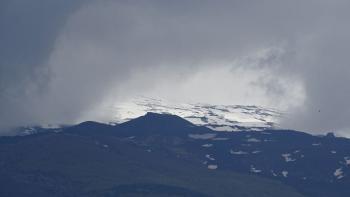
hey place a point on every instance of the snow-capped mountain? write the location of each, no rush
(216, 117)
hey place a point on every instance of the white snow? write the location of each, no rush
(223, 128)
(207, 145)
(316, 144)
(238, 152)
(212, 167)
(254, 170)
(205, 136)
(256, 152)
(287, 157)
(105, 146)
(256, 129)
(50, 126)
(220, 138)
(333, 152)
(253, 140)
(273, 173)
(347, 160)
(217, 117)
(285, 173)
(209, 157)
(338, 173)
(28, 131)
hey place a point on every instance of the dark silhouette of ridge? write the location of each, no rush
(165, 124)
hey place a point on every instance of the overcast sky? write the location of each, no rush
(61, 60)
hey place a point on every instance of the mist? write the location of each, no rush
(63, 64)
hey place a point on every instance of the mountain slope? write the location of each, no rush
(104, 162)
(162, 152)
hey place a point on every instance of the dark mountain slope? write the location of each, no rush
(163, 124)
(162, 154)
(93, 159)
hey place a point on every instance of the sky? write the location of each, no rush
(65, 61)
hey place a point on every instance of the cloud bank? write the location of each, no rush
(62, 61)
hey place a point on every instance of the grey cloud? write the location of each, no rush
(324, 68)
(78, 63)
(28, 32)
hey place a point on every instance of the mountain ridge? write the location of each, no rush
(284, 156)
(103, 163)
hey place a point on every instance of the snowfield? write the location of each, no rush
(216, 117)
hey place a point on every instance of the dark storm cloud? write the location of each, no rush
(28, 32)
(58, 63)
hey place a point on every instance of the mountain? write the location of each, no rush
(153, 155)
(216, 117)
(166, 155)
(283, 155)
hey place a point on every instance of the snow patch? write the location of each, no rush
(207, 145)
(220, 138)
(238, 152)
(29, 131)
(254, 170)
(205, 136)
(287, 157)
(273, 173)
(285, 173)
(212, 167)
(209, 157)
(338, 173)
(347, 160)
(223, 128)
(253, 140)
